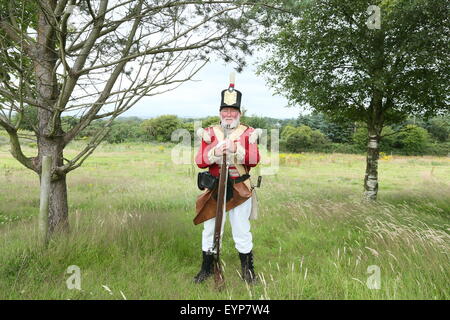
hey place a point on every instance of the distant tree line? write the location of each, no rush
(308, 133)
(414, 136)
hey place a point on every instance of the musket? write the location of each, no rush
(221, 205)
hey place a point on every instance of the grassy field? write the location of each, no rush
(132, 235)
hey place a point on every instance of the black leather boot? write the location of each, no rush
(248, 270)
(207, 267)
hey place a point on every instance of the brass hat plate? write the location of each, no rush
(230, 97)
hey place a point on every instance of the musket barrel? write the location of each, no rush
(221, 205)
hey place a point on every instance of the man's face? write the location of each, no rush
(229, 116)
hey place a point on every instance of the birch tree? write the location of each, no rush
(96, 59)
(374, 61)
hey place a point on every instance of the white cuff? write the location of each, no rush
(240, 153)
(212, 158)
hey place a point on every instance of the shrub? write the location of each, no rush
(302, 138)
(161, 128)
(210, 121)
(360, 138)
(439, 128)
(413, 140)
(438, 149)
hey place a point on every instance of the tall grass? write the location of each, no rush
(132, 234)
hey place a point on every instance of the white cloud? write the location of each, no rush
(201, 98)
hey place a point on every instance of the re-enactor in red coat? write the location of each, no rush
(245, 152)
(242, 149)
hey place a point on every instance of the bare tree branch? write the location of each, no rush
(112, 55)
(16, 149)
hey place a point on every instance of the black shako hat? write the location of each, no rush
(231, 98)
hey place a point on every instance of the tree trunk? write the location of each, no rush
(58, 217)
(371, 177)
(374, 127)
(50, 134)
(58, 206)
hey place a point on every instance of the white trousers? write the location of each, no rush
(240, 229)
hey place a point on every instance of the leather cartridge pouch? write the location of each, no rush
(206, 204)
(206, 180)
(230, 184)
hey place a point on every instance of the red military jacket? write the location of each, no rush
(247, 152)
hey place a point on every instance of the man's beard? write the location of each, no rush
(233, 124)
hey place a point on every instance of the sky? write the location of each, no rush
(201, 98)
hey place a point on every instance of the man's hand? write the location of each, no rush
(227, 147)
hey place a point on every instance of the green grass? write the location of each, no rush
(131, 212)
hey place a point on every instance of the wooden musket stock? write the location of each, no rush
(218, 274)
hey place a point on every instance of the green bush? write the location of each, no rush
(302, 138)
(336, 132)
(360, 138)
(210, 121)
(161, 128)
(255, 122)
(439, 128)
(438, 149)
(412, 140)
(189, 126)
(286, 131)
(124, 131)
